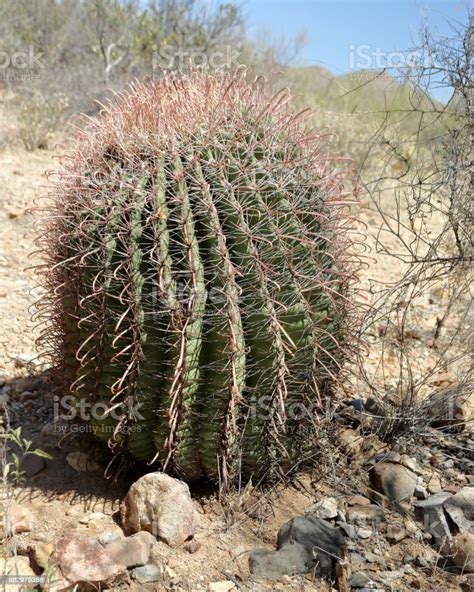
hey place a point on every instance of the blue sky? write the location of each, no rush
(333, 27)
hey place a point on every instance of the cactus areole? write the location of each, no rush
(199, 272)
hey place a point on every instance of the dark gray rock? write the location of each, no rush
(32, 464)
(304, 543)
(291, 560)
(433, 501)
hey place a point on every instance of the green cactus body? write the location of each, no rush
(208, 304)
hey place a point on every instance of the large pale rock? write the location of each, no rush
(161, 505)
(83, 559)
(393, 480)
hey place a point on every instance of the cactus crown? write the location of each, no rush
(198, 274)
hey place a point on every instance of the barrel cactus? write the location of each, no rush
(198, 275)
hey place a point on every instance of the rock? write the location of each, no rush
(411, 463)
(421, 492)
(147, 573)
(436, 524)
(15, 566)
(322, 540)
(82, 462)
(460, 552)
(32, 464)
(132, 551)
(41, 554)
(291, 560)
(464, 500)
(361, 515)
(361, 580)
(26, 360)
(93, 517)
(364, 533)
(104, 538)
(452, 407)
(324, 509)
(18, 519)
(395, 534)
(433, 501)
(348, 529)
(304, 543)
(192, 546)
(393, 480)
(358, 500)
(358, 404)
(83, 559)
(434, 484)
(161, 505)
(222, 586)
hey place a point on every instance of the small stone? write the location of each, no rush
(104, 538)
(395, 534)
(364, 533)
(25, 360)
(461, 552)
(222, 586)
(358, 500)
(324, 509)
(132, 551)
(449, 464)
(192, 546)
(360, 580)
(420, 491)
(411, 463)
(41, 554)
(434, 484)
(361, 515)
(147, 573)
(348, 529)
(82, 462)
(161, 505)
(422, 562)
(18, 519)
(393, 480)
(94, 516)
(32, 464)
